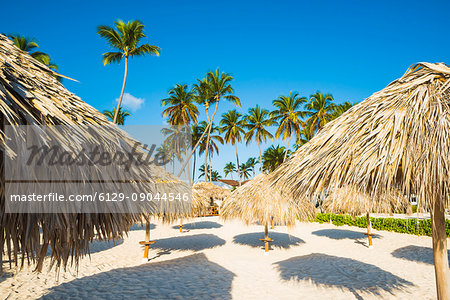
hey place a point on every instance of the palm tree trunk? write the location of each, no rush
(193, 150)
(209, 134)
(193, 170)
(287, 148)
(440, 250)
(188, 171)
(237, 160)
(260, 156)
(123, 89)
(210, 168)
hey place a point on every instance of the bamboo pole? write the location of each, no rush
(273, 224)
(440, 255)
(181, 225)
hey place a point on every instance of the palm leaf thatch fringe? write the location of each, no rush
(30, 95)
(256, 201)
(398, 138)
(203, 192)
(347, 200)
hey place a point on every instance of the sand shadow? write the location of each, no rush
(345, 273)
(417, 254)
(341, 234)
(280, 240)
(199, 225)
(190, 277)
(196, 242)
(6, 274)
(141, 227)
(98, 246)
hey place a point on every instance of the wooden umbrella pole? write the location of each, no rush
(266, 238)
(181, 225)
(147, 240)
(273, 225)
(369, 235)
(440, 255)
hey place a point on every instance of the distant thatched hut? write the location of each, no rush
(30, 95)
(397, 138)
(206, 195)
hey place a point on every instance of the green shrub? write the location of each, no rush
(410, 226)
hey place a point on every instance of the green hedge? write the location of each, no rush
(389, 224)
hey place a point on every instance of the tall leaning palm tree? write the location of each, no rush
(258, 119)
(218, 86)
(233, 126)
(125, 39)
(320, 110)
(121, 115)
(288, 116)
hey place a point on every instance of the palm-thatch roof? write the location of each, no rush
(210, 190)
(398, 138)
(348, 200)
(203, 192)
(30, 95)
(256, 201)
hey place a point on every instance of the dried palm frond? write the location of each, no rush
(30, 95)
(256, 201)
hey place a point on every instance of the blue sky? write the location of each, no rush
(350, 49)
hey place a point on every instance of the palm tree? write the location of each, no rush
(257, 121)
(125, 39)
(215, 176)
(181, 108)
(202, 171)
(288, 115)
(320, 110)
(213, 88)
(306, 134)
(121, 115)
(30, 45)
(165, 152)
(229, 168)
(273, 157)
(251, 163)
(340, 109)
(233, 125)
(245, 171)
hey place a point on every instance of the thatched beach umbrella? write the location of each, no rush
(349, 200)
(397, 138)
(210, 191)
(31, 95)
(256, 201)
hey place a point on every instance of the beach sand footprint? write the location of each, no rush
(345, 273)
(280, 240)
(189, 277)
(416, 253)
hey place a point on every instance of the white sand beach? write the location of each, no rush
(213, 259)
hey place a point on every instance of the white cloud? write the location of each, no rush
(131, 102)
